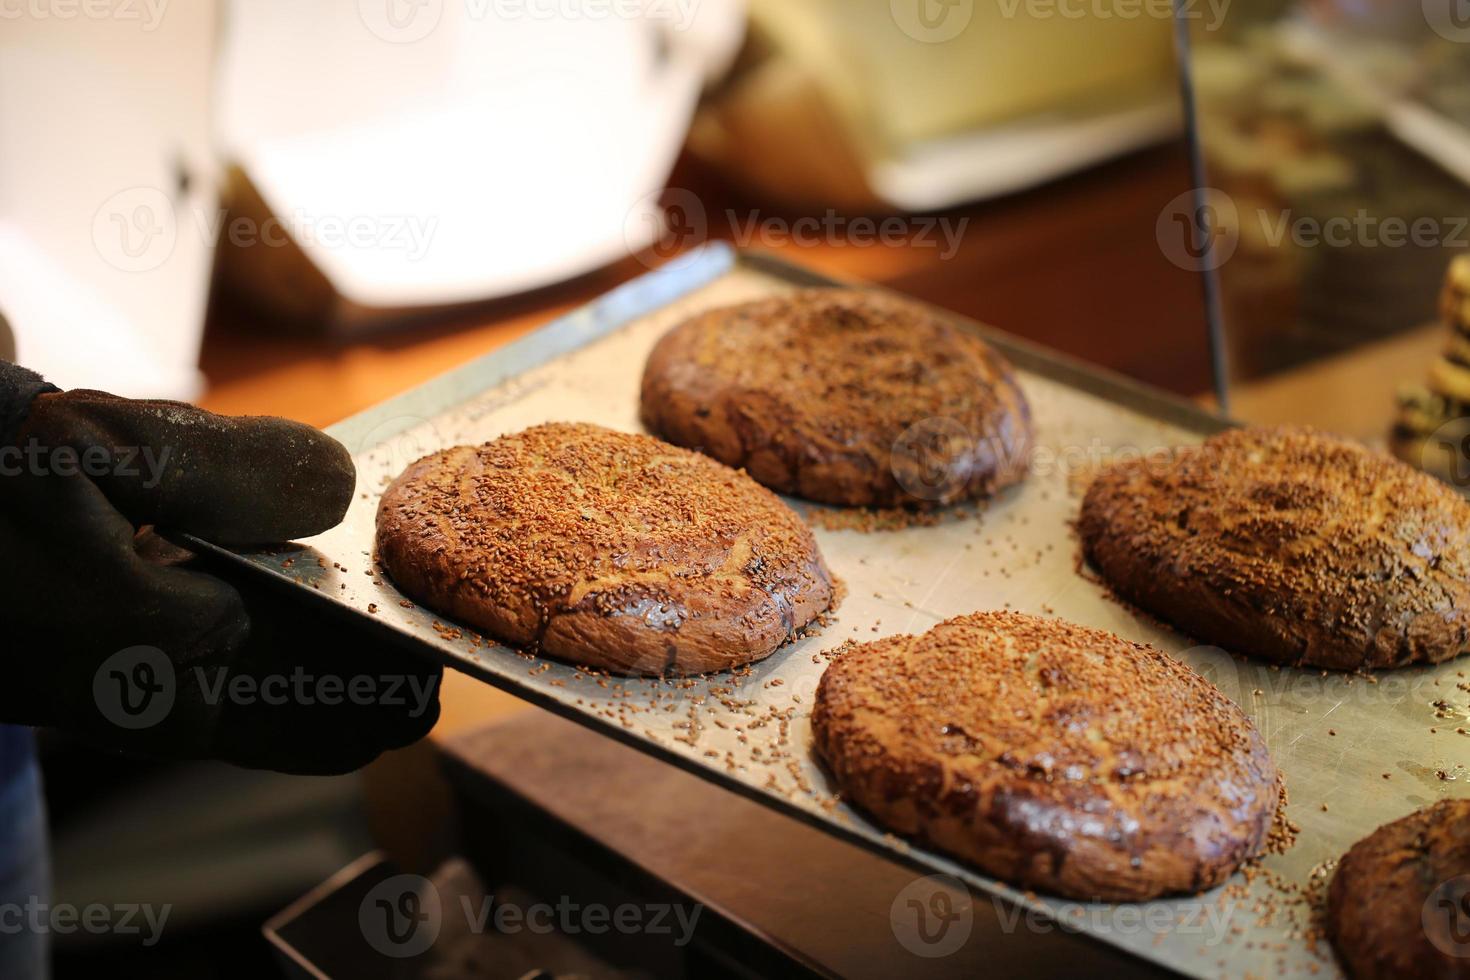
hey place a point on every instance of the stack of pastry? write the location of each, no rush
(1433, 419)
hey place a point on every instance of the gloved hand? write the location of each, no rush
(121, 637)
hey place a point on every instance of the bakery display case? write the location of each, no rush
(1335, 145)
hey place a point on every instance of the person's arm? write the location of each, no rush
(118, 635)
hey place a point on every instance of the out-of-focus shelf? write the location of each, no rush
(1351, 394)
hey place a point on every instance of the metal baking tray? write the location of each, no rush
(1356, 753)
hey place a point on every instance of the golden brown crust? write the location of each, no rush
(1289, 545)
(602, 548)
(1049, 755)
(843, 396)
(1399, 905)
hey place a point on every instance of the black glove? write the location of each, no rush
(117, 635)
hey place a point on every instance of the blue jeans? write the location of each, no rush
(25, 871)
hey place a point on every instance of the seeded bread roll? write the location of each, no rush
(1289, 545)
(1052, 756)
(842, 396)
(1399, 905)
(605, 549)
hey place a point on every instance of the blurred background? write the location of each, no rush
(303, 207)
(343, 177)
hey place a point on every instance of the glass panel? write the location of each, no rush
(1336, 143)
